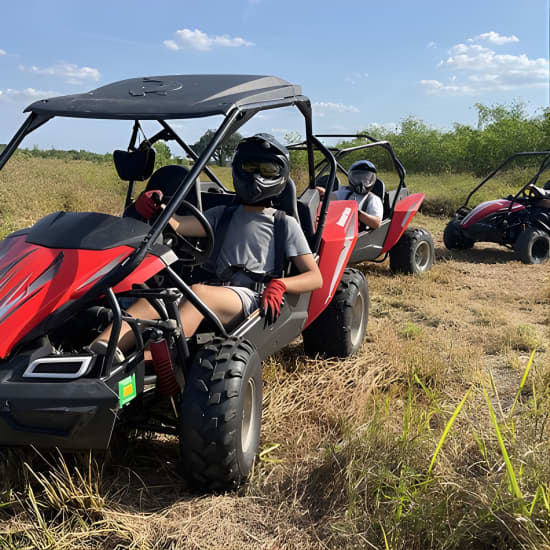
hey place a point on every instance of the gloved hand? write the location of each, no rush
(148, 203)
(272, 300)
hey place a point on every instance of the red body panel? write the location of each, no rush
(486, 208)
(403, 213)
(35, 281)
(337, 242)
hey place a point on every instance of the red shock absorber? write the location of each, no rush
(166, 379)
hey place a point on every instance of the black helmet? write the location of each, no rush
(362, 176)
(260, 168)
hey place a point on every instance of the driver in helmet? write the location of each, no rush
(247, 255)
(361, 178)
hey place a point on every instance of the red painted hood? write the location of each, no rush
(486, 208)
(35, 281)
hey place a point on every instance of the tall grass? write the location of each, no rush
(396, 448)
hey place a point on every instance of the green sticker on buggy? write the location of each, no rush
(127, 389)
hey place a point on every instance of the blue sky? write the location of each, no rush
(360, 62)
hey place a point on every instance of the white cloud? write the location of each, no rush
(355, 78)
(494, 38)
(26, 94)
(431, 44)
(337, 107)
(198, 40)
(435, 87)
(70, 72)
(481, 69)
(2, 52)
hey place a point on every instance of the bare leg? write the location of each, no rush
(225, 303)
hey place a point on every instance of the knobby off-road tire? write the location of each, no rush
(533, 246)
(339, 331)
(220, 414)
(454, 239)
(413, 252)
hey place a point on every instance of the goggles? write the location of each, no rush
(362, 177)
(265, 169)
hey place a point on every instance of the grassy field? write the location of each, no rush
(435, 436)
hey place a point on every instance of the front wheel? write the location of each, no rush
(340, 329)
(413, 253)
(533, 246)
(220, 414)
(454, 239)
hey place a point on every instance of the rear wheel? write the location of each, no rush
(453, 237)
(533, 246)
(413, 252)
(339, 331)
(220, 414)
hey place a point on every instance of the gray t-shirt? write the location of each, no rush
(372, 205)
(249, 242)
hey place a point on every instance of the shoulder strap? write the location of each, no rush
(363, 202)
(220, 231)
(280, 234)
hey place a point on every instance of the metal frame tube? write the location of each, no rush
(192, 154)
(500, 167)
(131, 184)
(185, 186)
(326, 198)
(32, 122)
(196, 301)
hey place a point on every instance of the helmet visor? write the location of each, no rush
(362, 180)
(265, 169)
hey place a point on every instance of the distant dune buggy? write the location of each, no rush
(411, 249)
(520, 221)
(62, 282)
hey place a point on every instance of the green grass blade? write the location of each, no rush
(446, 431)
(514, 486)
(386, 545)
(523, 380)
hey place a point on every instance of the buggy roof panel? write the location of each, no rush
(172, 96)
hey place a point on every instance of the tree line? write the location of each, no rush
(501, 130)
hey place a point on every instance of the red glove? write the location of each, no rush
(148, 203)
(272, 300)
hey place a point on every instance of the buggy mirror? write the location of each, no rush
(547, 186)
(134, 165)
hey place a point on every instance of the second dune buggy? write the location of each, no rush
(410, 249)
(63, 280)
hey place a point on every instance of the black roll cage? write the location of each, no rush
(233, 120)
(338, 153)
(544, 165)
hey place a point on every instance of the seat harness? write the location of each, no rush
(361, 203)
(259, 278)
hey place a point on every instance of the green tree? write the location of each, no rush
(223, 154)
(163, 154)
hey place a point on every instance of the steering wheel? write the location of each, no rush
(191, 251)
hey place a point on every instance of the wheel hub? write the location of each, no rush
(422, 256)
(357, 320)
(249, 415)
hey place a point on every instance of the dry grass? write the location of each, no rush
(346, 445)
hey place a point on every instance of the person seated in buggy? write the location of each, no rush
(361, 178)
(243, 275)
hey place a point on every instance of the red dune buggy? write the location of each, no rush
(520, 221)
(64, 279)
(411, 249)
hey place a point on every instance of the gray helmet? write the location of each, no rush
(260, 168)
(362, 176)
